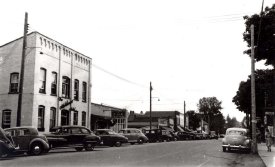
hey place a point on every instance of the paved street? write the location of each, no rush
(182, 153)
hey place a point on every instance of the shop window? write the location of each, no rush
(83, 118)
(6, 119)
(52, 117)
(75, 121)
(41, 118)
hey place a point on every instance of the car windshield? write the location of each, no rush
(235, 132)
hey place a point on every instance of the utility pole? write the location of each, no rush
(21, 81)
(253, 95)
(184, 115)
(151, 106)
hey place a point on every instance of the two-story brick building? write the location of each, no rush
(56, 87)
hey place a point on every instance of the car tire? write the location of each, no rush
(117, 144)
(140, 141)
(36, 149)
(78, 148)
(224, 149)
(89, 147)
(132, 143)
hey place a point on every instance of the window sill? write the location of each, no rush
(13, 92)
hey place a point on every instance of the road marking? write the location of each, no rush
(204, 163)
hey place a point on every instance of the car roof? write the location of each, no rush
(239, 129)
(69, 126)
(21, 127)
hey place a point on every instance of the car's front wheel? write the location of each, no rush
(36, 149)
(78, 148)
(118, 144)
(224, 149)
(89, 147)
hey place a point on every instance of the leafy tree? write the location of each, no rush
(263, 87)
(194, 119)
(218, 124)
(264, 35)
(231, 122)
(211, 107)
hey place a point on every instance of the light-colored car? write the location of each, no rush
(134, 135)
(236, 138)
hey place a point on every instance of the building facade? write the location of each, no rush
(108, 117)
(56, 87)
(173, 120)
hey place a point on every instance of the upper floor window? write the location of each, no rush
(84, 91)
(54, 83)
(42, 80)
(76, 89)
(66, 87)
(6, 119)
(14, 82)
(41, 118)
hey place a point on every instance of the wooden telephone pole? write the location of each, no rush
(21, 81)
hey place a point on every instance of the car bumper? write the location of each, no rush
(235, 146)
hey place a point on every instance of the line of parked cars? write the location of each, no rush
(25, 139)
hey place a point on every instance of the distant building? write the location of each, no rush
(166, 119)
(57, 84)
(104, 116)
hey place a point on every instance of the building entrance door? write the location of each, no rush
(65, 117)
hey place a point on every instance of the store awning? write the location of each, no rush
(180, 129)
(166, 128)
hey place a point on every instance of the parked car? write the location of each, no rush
(6, 144)
(183, 135)
(27, 139)
(213, 135)
(174, 135)
(77, 137)
(198, 136)
(111, 138)
(158, 135)
(236, 138)
(134, 135)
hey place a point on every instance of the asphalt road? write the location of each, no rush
(197, 153)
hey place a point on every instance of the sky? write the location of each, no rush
(187, 49)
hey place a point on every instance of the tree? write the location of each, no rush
(263, 87)
(231, 122)
(218, 124)
(194, 119)
(264, 35)
(210, 107)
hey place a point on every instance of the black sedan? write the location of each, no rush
(111, 138)
(77, 137)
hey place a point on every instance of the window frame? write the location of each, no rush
(52, 117)
(75, 118)
(42, 88)
(54, 84)
(41, 118)
(76, 89)
(83, 118)
(5, 123)
(66, 87)
(84, 92)
(11, 86)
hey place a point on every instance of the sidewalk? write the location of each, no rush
(267, 157)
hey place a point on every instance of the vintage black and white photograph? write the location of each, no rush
(137, 83)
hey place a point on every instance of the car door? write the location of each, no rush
(77, 137)
(22, 139)
(105, 137)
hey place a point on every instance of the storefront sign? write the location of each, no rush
(66, 103)
(118, 114)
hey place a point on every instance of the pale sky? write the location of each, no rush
(187, 49)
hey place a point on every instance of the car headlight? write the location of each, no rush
(223, 141)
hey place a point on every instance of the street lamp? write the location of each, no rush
(151, 88)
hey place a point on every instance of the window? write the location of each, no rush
(42, 80)
(14, 82)
(65, 87)
(84, 91)
(76, 89)
(75, 118)
(6, 119)
(65, 117)
(41, 116)
(52, 117)
(83, 118)
(54, 83)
